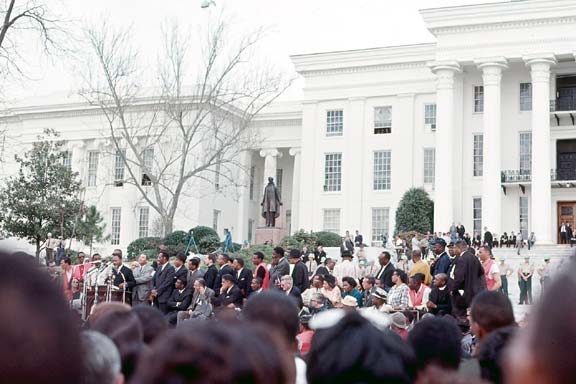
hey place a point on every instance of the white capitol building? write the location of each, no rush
(483, 119)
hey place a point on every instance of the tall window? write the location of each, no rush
(67, 159)
(524, 216)
(331, 220)
(430, 117)
(382, 170)
(143, 220)
(477, 215)
(334, 122)
(115, 226)
(215, 219)
(119, 167)
(382, 120)
(251, 186)
(479, 98)
(380, 217)
(250, 230)
(429, 164)
(525, 153)
(93, 168)
(332, 172)
(279, 174)
(478, 160)
(148, 163)
(525, 96)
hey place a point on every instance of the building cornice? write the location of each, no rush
(364, 60)
(502, 15)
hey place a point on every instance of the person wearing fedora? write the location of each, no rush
(378, 299)
(346, 268)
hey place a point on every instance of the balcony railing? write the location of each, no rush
(525, 175)
(563, 104)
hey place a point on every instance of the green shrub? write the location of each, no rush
(176, 241)
(206, 238)
(307, 239)
(328, 239)
(289, 242)
(146, 245)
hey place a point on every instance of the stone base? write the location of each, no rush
(271, 235)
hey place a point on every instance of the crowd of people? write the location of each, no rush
(301, 318)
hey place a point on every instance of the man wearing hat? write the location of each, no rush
(298, 270)
(442, 262)
(399, 324)
(346, 268)
(505, 273)
(544, 272)
(378, 298)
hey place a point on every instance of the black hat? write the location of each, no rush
(330, 279)
(440, 241)
(346, 253)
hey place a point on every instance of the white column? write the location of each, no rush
(491, 182)
(444, 167)
(541, 192)
(271, 156)
(295, 188)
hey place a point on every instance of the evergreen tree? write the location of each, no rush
(90, 228)
(415, 212)
(43, 197)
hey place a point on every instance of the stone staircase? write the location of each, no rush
(536, 253)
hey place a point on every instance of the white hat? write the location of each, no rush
(349, 301)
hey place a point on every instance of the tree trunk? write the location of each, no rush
(38, 250)
(168, 225)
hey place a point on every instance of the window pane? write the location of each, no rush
(334, 122)
(331, 220)
(479, 98)
(382, 170)
(429, 164)
(478, 160)
(332, 172)
(93, 168)
(119, 165)
(380, 220)
(524, 216)
(115, 226)
(525, 96)
(67, 159)
(148, 163)
(430, 116)
(525, 153)
(143, 219)
(477, 215)
(382, 120)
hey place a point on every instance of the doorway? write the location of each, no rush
(566, 160)
(567, 215)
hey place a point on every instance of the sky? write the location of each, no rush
(294, 27)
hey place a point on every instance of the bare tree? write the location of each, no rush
(26, 24)
(175, 139)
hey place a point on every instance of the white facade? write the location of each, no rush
(449, 116)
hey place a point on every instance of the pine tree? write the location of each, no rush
(415, 212)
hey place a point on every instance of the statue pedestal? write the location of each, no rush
(272, 235)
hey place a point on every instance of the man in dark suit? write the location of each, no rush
(280, 267)
(194, 271)
(460, 230)
(179, 301)
(230, 295)
(123, 278)
(468, 281)
(180, 271)
(211, 272)
(442, 262)
(358, 239)
(298, 270)
(224, 262)
(347, 244)
(488, 239)
(386, 270)
(163, 282)
(439, 301)
(243, 276)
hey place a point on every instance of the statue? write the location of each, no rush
(271, 203)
